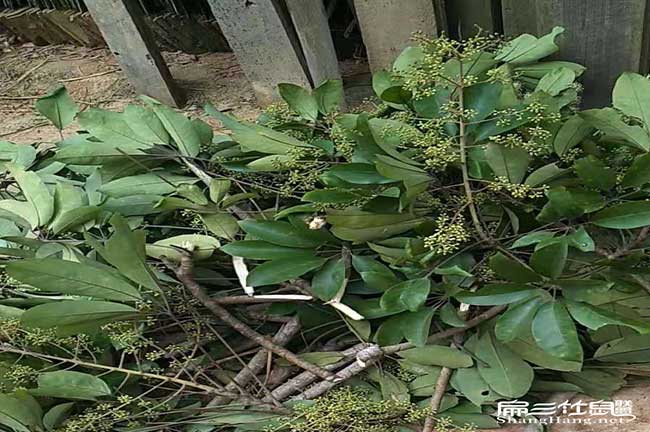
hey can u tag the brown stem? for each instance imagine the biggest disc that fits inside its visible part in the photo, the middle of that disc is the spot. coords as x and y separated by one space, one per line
624 250
257 363
436 398
184 273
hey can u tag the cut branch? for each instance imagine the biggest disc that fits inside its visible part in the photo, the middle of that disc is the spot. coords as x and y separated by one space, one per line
184 273
436 398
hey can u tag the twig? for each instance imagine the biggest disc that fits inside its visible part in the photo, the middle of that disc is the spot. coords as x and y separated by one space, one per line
436 398
26 74
95 75
366 358
624 250
270 298
184 274
257 363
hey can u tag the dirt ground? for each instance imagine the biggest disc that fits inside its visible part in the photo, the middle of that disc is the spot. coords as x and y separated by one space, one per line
94 79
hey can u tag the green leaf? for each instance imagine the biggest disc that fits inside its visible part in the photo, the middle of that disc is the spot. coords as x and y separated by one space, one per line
532 238
555 332
153 183
571 133
71 317
36 194
497 294
281 233
393 388
634 214
146 124
631 95
125 250
58 107
449 315
271 163
638 174
407 295
609 121
556 81
181 130
438 355
482 99
109 127
550 259
203 247
20 412
300 100
358 173
56 415
253 137
256 249
512 270
317 358
70 385
416 325
527 48
219 189
283 269
629 349
503 370
594 317
331 196
330 280
375 274
222 225
581 240
510 163
68 277
544 175
470 384
595 174
424 386
73 219
329 96
531 352
517 319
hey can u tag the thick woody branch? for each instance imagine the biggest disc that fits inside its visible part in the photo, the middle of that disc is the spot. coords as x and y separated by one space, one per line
184 273
436 398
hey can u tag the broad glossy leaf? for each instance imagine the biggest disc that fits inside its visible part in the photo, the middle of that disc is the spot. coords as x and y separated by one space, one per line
482 99
610 123
330 280
544 175
638 174
529 351
416 325
56 415
71 385
20 412
510 163
438 355
329 96
629 349
631 95
550 259
181 130
283 269
517 319
68 277
407 295
219 189
36 194
222 225
153 183
555 332
532 239
331 196
111 128
503 370
424 385
594 317
270 163
282 233
71 317
571 133
595 174
300 100
392 388
596 382
58 107
512 270
202 246
556 81
146 124
469 383
527 48
497 294
634 214
358 173
257 249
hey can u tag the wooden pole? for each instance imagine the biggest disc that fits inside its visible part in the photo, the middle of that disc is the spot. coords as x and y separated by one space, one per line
607 36
310 21
263 46
122 24
387 27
